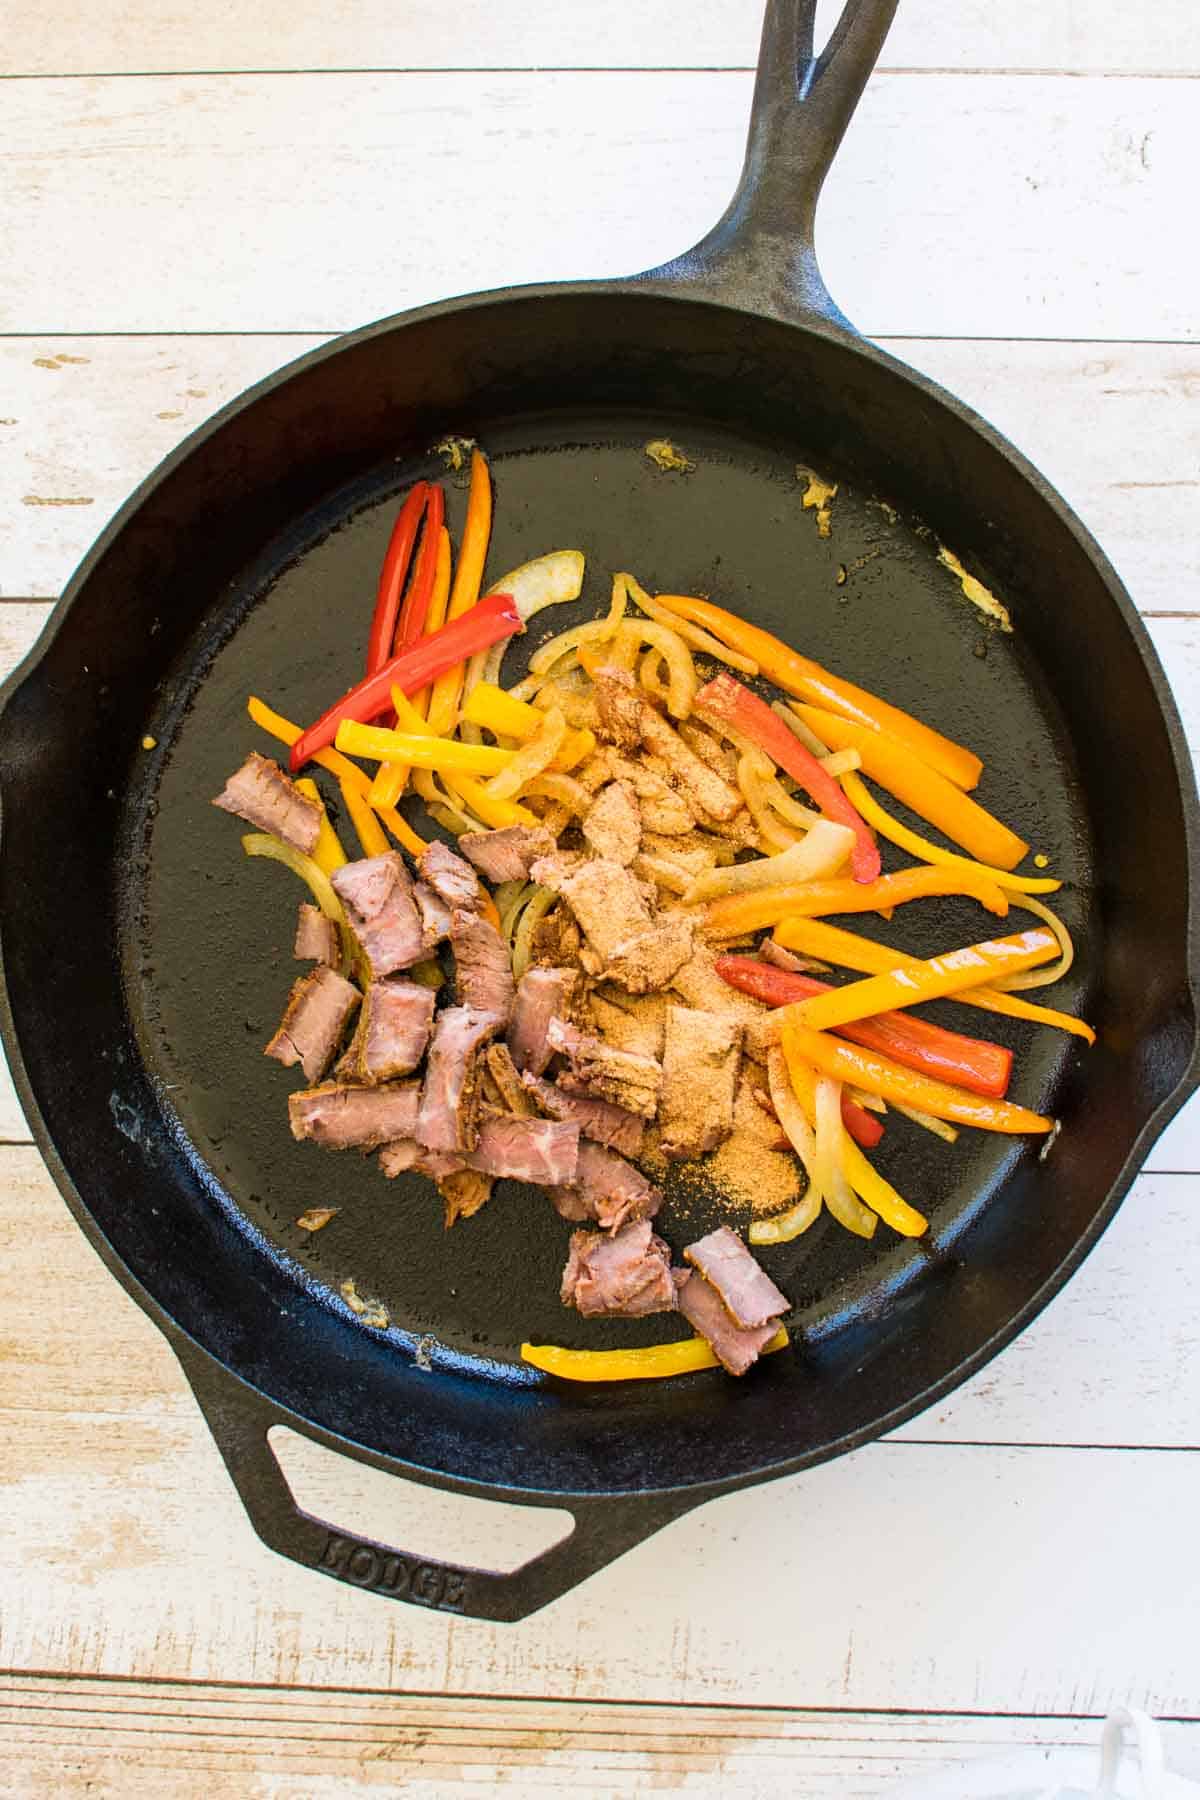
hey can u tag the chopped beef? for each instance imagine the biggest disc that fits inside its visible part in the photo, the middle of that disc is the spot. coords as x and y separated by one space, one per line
612 824
605 898
262 794
452 879
597 770
354 1118
541 994
482 972
622 1076
316 937
735 1348
747 1292
434 915
705 789
700 1071
697 982
645 962
626 1276
508 1083
313 1022
450 1097
607 1189
618 706
718 756
600 1120
378 898
664 812
506 854
393 1030
402 1154
555 941
691 855
541 1150
627 1023
464 1192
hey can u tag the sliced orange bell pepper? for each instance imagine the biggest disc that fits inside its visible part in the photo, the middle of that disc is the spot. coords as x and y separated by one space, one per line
807 680
346 771
930 979
894 766
842 1061
369 830
472 553
811 899
868 807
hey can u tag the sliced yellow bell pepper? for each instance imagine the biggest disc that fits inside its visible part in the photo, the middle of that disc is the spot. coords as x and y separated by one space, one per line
421 752
811 899
532 759
496 711
648 1364
484 804
472 553
328 854
370 832
868 808
347 772
930 979
260 843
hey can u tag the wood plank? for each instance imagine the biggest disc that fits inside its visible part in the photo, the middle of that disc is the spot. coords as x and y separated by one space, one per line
125 1551
1115 427
120 174
158 1739
484 34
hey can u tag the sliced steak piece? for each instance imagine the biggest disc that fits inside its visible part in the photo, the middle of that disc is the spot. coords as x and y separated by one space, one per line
434 915
509 1086
506 854
626 1276
541 995
747 1292
607 1189
263 795
314 1019
541 1150
452 879
450 1097
482 972
316 937
377 895
612 824
622 1076
700 1070
705 789
354 1118
556 941
393 1030
646 962
735 1347
404 1154
698 983
464 1192
664 812
599 1120
618 707
605 898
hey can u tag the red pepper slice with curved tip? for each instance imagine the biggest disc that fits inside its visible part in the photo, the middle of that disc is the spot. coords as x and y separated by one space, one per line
490 619
396 559
415 608
726 701
864 1127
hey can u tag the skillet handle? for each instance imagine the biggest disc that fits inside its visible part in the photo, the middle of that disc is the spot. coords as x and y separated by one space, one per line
240 1418
761 255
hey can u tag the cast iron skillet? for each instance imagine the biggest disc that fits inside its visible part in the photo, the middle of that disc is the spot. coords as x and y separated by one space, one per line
145 960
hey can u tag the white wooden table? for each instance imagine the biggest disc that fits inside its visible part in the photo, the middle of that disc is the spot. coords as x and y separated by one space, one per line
190 197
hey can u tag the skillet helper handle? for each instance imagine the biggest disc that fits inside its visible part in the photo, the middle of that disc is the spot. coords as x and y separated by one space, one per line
239 1419
761 254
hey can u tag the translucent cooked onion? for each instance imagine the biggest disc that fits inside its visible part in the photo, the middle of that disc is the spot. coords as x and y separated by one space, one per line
533 911
1036 978
818 855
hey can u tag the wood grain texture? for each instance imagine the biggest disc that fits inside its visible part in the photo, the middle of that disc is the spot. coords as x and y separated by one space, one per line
485 34
158 1741
960 205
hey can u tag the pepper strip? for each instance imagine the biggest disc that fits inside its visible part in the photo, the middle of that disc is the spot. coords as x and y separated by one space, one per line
811 899
651 1363
932 978
879 1075
328 853
415 609
342 767
370 832
867 1182
464 595
864 800
813 937
391 577
426 752
807 680
894 766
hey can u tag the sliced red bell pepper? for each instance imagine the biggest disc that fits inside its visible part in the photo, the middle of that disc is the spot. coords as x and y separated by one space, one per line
491 619
866 1128
396 559
727 701
968 1062
416 602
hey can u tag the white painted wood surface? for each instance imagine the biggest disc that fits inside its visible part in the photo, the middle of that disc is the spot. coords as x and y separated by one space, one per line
1021 1550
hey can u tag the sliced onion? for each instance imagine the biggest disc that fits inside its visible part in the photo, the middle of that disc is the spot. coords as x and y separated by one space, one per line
840 1197
755 768
814 858
534 910
808 738
1036 978
791 1116
552 580
939 1127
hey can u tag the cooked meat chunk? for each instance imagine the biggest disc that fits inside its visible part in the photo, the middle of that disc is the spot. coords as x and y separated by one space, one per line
354 1118
541 994
541 1150
771 952
618 707
262 794
645 962
613 825
735 1348
718 756
664 812
626 1276
605 898
691 855
747 1292
506 854
697 982
555 941
622 1076
450 1097
508 1082
314 1019
700 1071
705 789
629 1024
464 1192
434 915
402 1154
452 879
316 937
393 1030
482 972
596 1119
607 1189
378 898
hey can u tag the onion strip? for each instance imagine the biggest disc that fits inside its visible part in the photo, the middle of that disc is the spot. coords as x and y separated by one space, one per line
754 770
815 857
532 913
840 1198
1036 978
